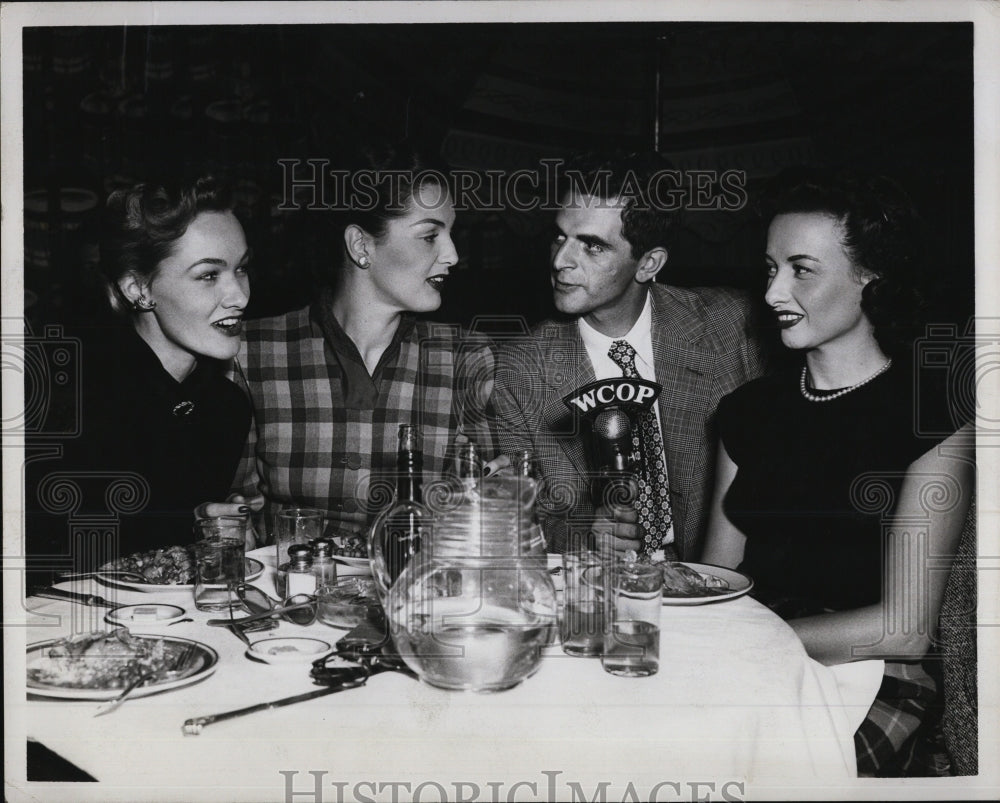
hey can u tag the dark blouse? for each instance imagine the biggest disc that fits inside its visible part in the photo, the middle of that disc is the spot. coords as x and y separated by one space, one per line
150 450
813 542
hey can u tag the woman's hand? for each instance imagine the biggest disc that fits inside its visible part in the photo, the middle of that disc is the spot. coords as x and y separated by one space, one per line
496 465
235 505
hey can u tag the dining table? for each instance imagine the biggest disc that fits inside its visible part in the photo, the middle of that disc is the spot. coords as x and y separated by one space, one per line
737 711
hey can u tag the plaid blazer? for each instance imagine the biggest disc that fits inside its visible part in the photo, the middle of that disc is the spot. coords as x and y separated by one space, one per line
702 347
306 448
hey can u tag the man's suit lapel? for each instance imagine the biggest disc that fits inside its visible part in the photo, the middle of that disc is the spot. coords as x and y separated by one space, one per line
565 367
685 371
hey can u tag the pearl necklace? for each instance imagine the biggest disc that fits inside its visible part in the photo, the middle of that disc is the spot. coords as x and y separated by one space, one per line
825 398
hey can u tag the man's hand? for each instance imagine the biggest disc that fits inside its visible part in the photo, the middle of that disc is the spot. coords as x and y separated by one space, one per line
616 529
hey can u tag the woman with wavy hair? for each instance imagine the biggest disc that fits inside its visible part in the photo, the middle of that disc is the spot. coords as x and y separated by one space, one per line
332 382
159 419
823 468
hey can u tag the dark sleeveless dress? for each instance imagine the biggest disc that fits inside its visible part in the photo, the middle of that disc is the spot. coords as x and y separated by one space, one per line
816 483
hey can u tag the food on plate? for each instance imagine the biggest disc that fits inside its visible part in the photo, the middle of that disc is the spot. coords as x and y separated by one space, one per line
352 546
683 581
101 660
171 566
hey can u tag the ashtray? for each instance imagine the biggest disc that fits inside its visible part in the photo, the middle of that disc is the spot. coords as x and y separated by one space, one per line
287 650
348 602
150 614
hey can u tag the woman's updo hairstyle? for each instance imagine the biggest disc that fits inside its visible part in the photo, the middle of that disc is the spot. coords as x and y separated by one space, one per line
383 178
882 235
142 223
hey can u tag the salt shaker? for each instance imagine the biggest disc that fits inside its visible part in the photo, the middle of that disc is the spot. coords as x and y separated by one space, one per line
324 567
296 576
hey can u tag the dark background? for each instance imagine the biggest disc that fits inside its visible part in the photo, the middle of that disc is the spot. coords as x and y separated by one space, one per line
104 107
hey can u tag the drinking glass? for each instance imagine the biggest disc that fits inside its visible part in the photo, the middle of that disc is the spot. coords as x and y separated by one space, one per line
220 561
296 525
581 627
633 596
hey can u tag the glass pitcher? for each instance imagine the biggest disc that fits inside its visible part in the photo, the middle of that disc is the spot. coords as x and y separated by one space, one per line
474 608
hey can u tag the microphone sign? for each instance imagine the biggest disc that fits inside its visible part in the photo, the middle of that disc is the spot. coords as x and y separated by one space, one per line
637 394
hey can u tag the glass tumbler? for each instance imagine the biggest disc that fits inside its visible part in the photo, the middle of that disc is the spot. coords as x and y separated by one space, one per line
296 525
633 596
581 625
220 561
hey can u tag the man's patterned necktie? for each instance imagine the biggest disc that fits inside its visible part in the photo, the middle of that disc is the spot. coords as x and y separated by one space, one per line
653 500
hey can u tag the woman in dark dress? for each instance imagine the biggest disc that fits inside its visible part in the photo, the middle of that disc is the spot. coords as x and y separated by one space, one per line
842 480
161 427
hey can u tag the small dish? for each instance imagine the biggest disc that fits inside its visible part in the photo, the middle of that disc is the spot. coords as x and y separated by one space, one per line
287 650
150 615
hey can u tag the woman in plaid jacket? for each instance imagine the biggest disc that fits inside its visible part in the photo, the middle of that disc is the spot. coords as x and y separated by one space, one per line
331 383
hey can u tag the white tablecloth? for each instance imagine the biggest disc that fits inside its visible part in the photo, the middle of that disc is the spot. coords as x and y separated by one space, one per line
736 701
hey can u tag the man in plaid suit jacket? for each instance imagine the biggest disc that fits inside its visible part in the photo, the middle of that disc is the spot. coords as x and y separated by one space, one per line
698 343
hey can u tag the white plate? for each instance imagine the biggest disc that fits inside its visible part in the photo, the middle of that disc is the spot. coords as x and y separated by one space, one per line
288 650
359 562
739 584
154 614
254 570
203 664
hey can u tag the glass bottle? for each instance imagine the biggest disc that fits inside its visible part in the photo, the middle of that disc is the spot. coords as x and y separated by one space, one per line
529 486
527 466
396 535
296 576
324 567
469 467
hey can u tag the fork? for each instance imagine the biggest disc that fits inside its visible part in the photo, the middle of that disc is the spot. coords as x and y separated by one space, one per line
112 705
116 574
177 666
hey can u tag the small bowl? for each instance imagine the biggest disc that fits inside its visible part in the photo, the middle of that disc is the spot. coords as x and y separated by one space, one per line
348 603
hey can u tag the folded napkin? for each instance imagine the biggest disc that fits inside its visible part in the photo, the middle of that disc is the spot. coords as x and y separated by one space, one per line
858 683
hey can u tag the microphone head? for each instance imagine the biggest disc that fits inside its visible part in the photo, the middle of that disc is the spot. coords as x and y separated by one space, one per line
612 424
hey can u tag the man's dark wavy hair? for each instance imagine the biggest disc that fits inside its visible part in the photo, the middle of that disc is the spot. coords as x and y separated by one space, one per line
882 235
142 223
628 176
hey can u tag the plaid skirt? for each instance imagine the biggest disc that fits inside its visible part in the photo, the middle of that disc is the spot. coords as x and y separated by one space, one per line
891 742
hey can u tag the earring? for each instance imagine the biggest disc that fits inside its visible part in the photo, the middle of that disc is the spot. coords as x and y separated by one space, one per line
142 304
363 262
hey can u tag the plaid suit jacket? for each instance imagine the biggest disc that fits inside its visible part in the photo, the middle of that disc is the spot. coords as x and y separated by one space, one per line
306 448
702 348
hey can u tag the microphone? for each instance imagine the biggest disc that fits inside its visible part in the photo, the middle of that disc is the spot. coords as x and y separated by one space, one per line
613 429
615 481
612 406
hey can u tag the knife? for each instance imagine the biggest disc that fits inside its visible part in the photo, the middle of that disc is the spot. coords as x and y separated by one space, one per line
192 727
72 596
